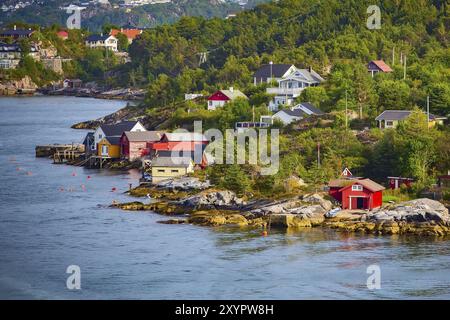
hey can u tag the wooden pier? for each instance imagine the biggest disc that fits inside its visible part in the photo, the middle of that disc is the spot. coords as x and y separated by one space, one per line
66 156
50 149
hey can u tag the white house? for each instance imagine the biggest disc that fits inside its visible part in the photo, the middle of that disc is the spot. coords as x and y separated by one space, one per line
288 116
102 41
116 130
272 72
290 85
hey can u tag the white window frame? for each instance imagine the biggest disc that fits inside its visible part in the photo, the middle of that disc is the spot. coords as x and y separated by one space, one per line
357 187
105 150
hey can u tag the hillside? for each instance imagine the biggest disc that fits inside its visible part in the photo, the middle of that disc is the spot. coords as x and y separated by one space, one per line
46 13
332 38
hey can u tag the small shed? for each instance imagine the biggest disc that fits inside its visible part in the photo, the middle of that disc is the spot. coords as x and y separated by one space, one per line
397 182
356 194
164 168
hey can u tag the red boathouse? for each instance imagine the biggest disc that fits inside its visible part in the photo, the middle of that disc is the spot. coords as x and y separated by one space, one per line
357 193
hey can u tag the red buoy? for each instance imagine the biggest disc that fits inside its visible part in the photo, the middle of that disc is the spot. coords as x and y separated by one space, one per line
113 189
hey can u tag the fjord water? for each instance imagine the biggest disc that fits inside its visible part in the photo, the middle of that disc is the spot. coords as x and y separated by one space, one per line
53 216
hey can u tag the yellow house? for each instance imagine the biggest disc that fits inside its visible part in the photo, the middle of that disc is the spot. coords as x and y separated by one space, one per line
170 167
109 147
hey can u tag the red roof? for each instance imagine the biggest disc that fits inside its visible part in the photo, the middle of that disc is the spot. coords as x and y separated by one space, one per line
382 65
63 34
130 33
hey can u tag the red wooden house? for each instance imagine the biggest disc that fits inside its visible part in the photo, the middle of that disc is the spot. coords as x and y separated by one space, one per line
133 144
357 193
221 97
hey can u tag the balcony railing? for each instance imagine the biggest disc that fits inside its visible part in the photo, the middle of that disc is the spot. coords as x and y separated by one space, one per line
285 91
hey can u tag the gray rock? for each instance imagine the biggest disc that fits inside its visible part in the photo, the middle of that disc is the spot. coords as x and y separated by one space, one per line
183 183
213 199
419 210
316 198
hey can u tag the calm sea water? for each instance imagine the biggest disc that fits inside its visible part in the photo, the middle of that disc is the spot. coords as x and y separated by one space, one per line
53 216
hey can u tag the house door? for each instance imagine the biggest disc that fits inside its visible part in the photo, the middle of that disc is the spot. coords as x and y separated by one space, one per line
105 151
360 203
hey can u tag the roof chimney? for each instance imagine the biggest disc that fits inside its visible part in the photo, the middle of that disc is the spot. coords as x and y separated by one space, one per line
310 69
231 89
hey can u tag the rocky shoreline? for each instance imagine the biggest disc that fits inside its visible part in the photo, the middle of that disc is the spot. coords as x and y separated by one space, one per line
191 201
116 94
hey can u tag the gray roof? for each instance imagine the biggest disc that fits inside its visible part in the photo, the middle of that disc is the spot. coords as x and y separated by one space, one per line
98 37
113 140
308 108
14 47
309 74
172 162
278 70
294 113
89 137
117 129
17 32
143 135
393 115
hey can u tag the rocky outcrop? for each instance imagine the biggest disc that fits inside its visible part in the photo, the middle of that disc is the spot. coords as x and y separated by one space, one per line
213 199
313 204
420 216
419 210
22 86
289 220
130 112
184 184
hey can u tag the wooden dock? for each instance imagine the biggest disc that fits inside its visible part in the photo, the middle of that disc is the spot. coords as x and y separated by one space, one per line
50 149
67 156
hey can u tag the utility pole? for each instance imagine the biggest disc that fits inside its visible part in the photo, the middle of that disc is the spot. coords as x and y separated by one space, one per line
404 70
318 155
393 55
346 110
253 114
271 70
